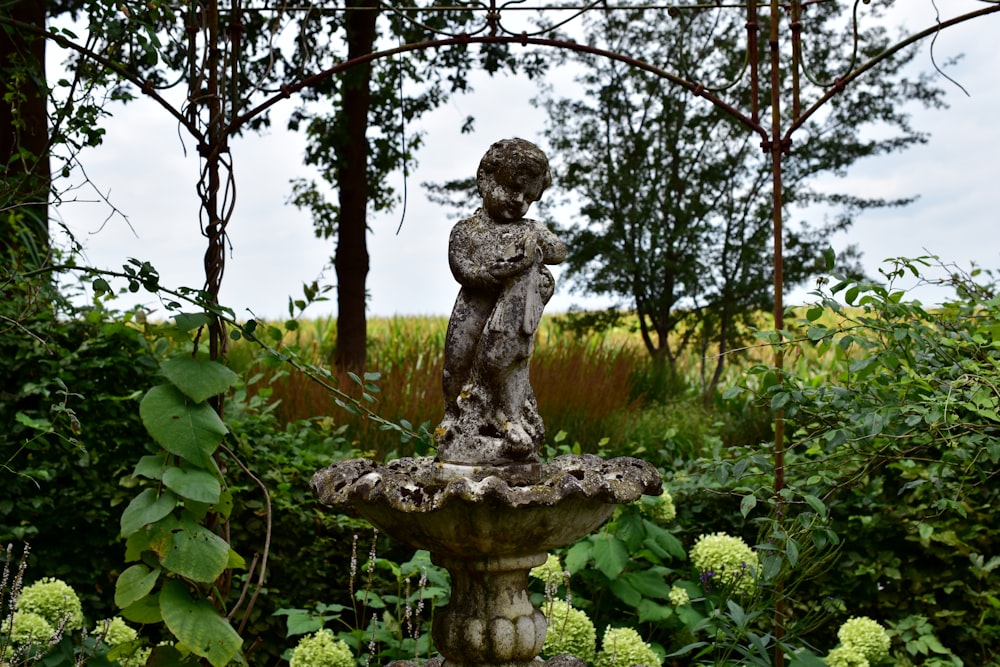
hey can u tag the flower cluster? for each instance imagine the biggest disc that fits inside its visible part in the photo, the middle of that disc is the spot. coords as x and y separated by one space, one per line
846 656
27 627
550 572
727 559
321 649
55 601
678 596
623 647
658 509
570 631
116 633
866 637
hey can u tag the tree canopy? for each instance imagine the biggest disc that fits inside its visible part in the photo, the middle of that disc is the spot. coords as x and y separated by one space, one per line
675 193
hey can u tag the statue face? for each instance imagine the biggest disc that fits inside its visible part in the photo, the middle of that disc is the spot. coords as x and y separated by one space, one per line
509 196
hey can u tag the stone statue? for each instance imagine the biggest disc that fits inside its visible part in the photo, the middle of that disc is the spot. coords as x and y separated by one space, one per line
498 257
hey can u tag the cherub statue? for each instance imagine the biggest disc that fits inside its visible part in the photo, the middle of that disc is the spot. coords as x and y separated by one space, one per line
499 258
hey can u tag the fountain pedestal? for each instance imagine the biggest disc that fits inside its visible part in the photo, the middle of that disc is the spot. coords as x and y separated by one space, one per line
490 619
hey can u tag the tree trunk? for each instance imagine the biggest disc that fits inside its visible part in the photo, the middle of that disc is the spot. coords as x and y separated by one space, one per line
24 138
351 257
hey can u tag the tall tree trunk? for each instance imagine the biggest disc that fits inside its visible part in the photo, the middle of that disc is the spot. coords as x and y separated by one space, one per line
351 257
24 138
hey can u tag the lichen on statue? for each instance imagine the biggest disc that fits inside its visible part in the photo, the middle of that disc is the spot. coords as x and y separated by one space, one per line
499 258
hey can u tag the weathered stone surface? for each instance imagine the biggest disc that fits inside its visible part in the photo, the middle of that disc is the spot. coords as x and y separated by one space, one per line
499 258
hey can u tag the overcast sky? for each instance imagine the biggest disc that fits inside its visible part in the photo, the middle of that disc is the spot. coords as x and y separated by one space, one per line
143 170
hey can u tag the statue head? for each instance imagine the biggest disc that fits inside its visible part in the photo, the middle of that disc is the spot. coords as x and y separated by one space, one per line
516 165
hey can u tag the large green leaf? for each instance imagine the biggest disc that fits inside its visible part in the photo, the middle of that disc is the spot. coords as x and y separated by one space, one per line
198 625
194 484
198 379
610 555
146 508
151 466
650 611
651 583
145 610
192 431
135 583
195 553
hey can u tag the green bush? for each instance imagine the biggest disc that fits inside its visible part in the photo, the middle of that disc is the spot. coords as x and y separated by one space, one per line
69 434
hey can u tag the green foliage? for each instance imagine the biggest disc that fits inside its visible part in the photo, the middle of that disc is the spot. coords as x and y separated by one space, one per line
71 431
43 623
386 619
675 219
177 558
896 436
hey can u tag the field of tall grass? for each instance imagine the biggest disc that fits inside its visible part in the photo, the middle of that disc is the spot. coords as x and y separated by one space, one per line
597 392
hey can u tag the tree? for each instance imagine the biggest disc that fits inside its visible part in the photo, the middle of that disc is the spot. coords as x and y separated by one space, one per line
367 134
24 137
676 206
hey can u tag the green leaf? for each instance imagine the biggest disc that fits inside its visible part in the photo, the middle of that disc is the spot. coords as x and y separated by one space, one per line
665 540
815 503
780 400
625 592
792 552
300 621
804 658
135 583
144 611
651 583
610 556
37 424
151 466
650 611
194 484
815 333
192 432
146 508
198 625
747 504
198 379
579 555
189 321
196 553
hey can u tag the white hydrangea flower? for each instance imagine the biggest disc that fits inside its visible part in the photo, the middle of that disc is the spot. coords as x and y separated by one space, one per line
570 631
55 601
678 596
321 649
866 636
623 647
728 559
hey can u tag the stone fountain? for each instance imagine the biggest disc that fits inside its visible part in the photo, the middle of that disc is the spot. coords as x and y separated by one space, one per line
487 508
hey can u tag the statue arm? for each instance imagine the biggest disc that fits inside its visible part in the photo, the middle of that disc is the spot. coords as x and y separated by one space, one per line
553 249
470 264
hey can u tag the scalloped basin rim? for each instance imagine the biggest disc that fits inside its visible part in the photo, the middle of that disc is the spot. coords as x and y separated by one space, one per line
430 506
425 485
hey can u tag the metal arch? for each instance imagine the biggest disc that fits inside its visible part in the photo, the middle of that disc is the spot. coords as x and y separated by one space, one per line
524 40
